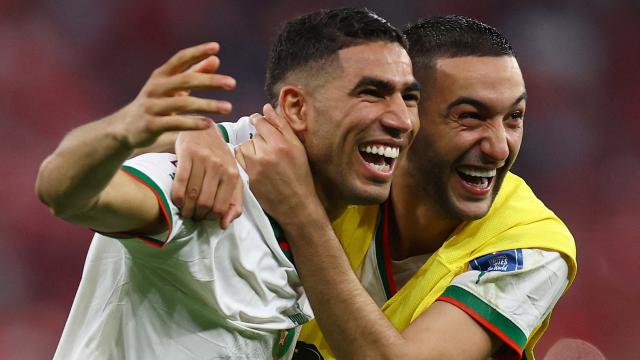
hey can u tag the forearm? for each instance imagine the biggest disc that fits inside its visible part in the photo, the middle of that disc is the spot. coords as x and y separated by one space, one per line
326 274
166 143
70 179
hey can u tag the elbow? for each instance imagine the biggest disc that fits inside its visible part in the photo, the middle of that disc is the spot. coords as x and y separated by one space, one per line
43 191
48 194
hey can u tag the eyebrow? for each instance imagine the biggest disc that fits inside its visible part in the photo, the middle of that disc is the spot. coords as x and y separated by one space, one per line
479 104
384 86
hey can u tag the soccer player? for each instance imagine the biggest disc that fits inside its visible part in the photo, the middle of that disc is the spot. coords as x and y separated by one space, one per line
210 292
463 261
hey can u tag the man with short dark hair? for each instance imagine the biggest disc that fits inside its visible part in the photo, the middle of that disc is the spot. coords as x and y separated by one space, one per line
463 261
213 292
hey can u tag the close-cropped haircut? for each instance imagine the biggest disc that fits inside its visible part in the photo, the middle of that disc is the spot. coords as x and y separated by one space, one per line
450 37
316 37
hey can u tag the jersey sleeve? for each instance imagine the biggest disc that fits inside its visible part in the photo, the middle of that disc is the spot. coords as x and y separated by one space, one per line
156 172
510 293
237 132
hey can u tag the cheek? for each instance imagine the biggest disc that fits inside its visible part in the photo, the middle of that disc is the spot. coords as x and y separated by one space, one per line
514 141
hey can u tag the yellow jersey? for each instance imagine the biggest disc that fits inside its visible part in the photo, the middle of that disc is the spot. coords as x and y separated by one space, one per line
517 220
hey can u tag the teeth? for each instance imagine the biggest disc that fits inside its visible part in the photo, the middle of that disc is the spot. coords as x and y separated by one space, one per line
384 167
483 173
386 151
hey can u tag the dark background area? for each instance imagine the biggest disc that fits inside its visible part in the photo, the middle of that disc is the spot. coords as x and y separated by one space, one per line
64 63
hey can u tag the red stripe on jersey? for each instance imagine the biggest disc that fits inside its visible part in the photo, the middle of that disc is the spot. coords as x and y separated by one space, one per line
489 326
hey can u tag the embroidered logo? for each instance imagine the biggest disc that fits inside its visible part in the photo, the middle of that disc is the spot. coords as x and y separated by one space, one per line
507 260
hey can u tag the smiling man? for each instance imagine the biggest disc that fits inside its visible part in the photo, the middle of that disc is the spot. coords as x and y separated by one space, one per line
213 292
463 261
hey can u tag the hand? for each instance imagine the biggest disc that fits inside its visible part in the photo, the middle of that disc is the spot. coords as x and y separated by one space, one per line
277 165
164 102
207 184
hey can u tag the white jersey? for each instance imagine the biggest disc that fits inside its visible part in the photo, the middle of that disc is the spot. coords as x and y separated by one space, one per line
522 285
205 293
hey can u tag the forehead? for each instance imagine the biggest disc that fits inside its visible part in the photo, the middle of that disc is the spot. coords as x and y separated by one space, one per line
489 79
381 60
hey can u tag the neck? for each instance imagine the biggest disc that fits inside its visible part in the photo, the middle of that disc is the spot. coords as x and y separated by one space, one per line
333 205
420 227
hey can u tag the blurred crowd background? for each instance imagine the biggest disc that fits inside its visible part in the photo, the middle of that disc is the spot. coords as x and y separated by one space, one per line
67 62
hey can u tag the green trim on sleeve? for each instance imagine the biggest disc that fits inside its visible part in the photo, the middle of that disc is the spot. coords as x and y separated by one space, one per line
489 317
224 132
160 195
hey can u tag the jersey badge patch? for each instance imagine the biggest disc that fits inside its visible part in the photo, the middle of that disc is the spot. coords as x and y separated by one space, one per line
506 260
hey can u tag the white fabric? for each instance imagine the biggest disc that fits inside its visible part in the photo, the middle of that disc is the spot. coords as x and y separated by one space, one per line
207 294
403 270
524 296
239 131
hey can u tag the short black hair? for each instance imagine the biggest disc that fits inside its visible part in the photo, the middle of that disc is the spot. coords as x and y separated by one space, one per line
318 36
452 36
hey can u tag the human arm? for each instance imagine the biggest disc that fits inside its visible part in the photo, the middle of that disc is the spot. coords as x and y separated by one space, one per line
351 322
207 184
80 181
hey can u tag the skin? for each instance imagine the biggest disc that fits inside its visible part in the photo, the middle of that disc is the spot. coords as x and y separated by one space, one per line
370 98
80 181
484 133
471 114
373 101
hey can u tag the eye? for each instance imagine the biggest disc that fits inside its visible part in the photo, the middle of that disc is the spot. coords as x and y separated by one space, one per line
517 115
370 92
411 98
470 115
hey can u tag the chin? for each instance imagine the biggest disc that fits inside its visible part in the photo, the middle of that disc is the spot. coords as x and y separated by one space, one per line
370 196
471 210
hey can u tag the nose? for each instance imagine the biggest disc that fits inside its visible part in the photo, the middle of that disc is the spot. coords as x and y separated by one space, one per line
494 144
398 119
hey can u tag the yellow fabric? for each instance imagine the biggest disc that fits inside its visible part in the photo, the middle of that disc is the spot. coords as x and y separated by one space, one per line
517 219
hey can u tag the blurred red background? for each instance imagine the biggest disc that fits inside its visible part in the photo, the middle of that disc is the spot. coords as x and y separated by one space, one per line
67 62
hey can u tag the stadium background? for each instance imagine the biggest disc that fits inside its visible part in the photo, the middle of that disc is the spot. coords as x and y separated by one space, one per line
65 62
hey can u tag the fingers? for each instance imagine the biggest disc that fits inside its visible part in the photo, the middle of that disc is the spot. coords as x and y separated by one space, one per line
186 104
209 194
224 196
274 119
163 124
192 190
235 207
208 65
187 57
266 133
245 149
179 186
190 80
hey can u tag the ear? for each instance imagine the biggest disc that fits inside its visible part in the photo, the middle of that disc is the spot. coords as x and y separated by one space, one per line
294 108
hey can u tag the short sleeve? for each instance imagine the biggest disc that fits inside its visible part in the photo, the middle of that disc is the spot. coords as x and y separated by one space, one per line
156 172
510 293
237 132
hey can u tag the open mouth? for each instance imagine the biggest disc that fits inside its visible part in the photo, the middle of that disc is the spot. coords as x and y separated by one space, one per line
379 157
480 179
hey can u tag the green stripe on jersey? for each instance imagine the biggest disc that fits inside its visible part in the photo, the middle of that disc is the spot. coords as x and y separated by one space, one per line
491 315
382 265
147 180
223 131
